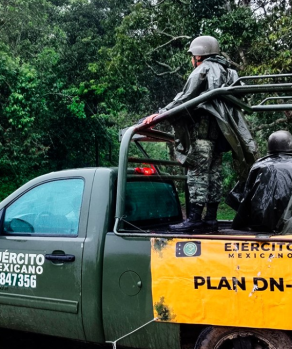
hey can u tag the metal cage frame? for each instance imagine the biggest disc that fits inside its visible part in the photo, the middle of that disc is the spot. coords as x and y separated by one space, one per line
141 132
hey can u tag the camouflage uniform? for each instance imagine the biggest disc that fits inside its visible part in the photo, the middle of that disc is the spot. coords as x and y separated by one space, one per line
204 176
203 161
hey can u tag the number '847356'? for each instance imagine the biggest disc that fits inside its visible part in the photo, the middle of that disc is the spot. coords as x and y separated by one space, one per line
18 280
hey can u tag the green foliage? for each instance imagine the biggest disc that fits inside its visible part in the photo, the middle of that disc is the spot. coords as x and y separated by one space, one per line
72 73
21 147
225 212
7 187
228 174
235 30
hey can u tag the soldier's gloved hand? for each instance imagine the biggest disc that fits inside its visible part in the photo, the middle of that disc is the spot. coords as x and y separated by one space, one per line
149 118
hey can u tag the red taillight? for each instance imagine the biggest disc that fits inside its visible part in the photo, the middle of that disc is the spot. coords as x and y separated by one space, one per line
148 171
145 170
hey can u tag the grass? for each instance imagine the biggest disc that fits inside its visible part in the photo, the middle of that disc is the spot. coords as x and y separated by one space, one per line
224 211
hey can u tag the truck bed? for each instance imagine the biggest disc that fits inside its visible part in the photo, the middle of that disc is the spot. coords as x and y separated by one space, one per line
224 229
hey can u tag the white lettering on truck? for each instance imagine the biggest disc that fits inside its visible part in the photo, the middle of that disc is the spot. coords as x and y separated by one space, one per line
20 269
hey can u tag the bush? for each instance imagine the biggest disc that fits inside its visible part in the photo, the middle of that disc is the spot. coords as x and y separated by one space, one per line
7 186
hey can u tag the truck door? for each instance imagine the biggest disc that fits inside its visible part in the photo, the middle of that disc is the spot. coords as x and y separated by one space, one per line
41 244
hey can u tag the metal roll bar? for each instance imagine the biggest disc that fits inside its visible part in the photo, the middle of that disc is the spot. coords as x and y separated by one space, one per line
145 132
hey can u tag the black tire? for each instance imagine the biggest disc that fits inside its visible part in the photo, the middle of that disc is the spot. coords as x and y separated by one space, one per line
214 337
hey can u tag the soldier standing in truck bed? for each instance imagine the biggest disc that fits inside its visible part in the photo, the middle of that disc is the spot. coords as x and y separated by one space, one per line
203 134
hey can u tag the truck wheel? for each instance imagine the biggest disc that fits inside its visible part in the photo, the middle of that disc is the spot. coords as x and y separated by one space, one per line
242 338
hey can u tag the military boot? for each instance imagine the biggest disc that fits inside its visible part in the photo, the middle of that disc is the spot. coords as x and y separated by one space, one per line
194 221
210 220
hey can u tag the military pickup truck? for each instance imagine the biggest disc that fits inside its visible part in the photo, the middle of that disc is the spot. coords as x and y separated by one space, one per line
85 254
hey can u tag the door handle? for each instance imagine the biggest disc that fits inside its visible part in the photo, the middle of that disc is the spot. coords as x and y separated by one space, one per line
60 257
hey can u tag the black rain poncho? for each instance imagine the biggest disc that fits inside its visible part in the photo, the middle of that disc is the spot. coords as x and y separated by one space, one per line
266 194
214 72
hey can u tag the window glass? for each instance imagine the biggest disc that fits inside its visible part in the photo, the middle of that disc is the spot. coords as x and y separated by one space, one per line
150 202
52 208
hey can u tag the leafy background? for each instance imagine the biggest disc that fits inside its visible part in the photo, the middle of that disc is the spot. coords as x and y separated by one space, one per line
74 72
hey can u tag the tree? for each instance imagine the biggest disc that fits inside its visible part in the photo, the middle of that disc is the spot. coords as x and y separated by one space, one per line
75 71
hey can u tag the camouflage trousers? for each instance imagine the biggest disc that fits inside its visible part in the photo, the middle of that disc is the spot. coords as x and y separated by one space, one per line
204 176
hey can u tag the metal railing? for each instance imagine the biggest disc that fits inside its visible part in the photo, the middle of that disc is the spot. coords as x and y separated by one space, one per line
145 132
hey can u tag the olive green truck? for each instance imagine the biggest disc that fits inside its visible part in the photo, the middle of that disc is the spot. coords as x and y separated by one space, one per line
79 250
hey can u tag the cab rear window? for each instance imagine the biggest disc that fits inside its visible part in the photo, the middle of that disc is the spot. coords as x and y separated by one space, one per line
151 203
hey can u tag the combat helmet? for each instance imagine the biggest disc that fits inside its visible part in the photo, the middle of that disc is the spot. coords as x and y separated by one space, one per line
280 141
204 46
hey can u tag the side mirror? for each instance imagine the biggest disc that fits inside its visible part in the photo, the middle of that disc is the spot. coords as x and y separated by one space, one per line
18 225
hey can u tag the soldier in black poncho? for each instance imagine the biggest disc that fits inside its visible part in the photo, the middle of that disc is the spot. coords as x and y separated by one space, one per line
268 188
